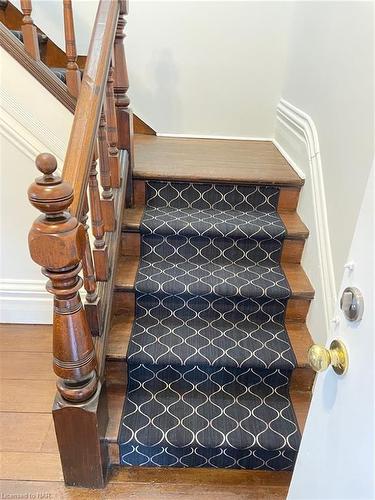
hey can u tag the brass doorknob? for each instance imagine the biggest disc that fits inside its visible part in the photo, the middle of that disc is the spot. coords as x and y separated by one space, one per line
321 358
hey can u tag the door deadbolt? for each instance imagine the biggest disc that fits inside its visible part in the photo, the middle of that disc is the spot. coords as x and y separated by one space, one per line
352 304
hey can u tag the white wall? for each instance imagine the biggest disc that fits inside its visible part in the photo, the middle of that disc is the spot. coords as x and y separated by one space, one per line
196 67
330 76
207 68
31 121
48 16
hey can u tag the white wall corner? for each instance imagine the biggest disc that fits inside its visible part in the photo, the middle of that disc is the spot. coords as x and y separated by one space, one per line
296 138
27 301
26 131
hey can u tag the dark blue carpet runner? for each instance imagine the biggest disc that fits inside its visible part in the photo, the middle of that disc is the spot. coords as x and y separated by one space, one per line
209 358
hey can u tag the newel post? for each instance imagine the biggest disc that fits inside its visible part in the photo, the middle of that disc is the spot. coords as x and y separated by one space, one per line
121 85
57 242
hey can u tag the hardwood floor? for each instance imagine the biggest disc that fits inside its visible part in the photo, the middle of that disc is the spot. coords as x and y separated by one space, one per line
29 460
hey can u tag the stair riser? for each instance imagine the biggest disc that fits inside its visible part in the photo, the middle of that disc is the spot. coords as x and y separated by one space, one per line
124 300
288 199
292 248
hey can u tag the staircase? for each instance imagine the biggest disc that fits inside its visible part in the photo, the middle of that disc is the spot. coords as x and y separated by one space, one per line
210 303
189 349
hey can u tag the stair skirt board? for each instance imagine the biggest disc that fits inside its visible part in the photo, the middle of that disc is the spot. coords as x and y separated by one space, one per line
209 359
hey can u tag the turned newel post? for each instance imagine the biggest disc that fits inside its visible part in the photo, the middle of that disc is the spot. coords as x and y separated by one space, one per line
57 242
73 75
121 85
29 33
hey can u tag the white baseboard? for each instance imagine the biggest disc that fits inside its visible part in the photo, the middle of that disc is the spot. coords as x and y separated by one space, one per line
296 137
220 137
25 301
289 159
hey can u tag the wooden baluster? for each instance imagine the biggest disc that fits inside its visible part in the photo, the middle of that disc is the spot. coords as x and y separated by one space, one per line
29 32
123 112
100 251
57 242
73 75
3 6
114 162
92 305
108 207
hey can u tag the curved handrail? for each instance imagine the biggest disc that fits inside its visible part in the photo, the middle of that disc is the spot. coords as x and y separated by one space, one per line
86 118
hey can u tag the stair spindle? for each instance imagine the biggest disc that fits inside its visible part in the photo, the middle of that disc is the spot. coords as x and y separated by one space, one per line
100 251
107 202
92 305
121 85
3 6
73 75
57 242
29 32
114 162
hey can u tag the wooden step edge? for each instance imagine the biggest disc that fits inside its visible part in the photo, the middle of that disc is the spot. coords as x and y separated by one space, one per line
298 281
122 324
195 477
295 228
152 175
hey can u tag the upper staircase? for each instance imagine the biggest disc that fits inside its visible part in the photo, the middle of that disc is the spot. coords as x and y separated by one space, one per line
189 346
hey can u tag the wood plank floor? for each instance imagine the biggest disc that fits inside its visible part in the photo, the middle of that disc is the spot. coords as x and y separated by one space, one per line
29 460
203 160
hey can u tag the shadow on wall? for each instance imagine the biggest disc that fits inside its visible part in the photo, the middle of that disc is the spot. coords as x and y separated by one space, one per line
167 80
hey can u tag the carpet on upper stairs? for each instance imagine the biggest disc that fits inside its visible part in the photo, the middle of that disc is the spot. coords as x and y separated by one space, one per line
209 359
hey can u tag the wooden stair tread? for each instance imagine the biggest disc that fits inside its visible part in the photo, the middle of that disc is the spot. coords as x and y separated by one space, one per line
122 326
211 160
131 218
296 229
299 283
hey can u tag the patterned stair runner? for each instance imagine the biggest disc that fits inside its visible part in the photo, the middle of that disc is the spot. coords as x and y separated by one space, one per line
209 360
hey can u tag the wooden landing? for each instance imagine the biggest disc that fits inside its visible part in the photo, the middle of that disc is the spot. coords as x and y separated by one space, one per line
208 160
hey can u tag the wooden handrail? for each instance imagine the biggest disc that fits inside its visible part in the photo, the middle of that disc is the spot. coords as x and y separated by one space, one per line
89 105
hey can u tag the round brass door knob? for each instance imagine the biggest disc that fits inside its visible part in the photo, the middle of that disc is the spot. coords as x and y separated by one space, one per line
321 358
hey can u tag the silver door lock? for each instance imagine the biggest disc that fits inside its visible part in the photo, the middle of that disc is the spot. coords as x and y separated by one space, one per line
352 304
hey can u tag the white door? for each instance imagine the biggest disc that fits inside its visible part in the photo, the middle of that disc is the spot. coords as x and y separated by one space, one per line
336 457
